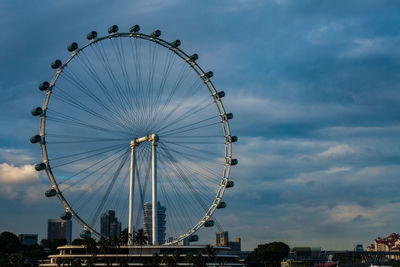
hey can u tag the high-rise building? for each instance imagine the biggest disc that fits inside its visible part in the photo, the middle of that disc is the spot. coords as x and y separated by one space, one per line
161 221
109 225
28 239
58 228
221 239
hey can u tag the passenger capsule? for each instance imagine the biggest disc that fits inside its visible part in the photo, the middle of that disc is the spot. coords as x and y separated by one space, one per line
194 57
40 166
209 74
36 139
56 64
156 33
221 205
209 223
231 139
113 29
37 111
232 162
51 192
72 47
221 94
228 116
66 216
193 238
44 86
91 35
134 29
85 234
176 43
230 184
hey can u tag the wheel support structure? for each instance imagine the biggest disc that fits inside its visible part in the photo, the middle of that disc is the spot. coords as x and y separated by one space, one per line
153 139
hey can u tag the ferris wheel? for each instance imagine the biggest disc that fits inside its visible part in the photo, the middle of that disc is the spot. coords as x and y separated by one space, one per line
130 119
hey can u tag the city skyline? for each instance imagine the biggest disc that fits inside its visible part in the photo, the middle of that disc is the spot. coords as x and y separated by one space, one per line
313 87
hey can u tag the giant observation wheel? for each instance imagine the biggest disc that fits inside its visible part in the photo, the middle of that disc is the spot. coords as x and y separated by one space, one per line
130 121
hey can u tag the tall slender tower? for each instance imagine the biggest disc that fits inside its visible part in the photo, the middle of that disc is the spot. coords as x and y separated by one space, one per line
161 221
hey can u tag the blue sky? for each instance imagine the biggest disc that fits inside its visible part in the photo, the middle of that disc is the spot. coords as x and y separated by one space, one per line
313 85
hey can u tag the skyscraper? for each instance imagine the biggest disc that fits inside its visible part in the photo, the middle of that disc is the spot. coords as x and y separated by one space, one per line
58 228
161 221
109 225
221 239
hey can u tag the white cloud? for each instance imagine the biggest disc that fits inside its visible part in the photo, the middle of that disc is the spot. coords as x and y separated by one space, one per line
339 150
10 174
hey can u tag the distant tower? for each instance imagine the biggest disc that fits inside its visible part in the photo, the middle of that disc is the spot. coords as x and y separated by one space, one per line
57 229
109 225
222 239
161 221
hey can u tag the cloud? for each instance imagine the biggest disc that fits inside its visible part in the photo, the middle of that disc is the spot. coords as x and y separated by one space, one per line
10 174
338 150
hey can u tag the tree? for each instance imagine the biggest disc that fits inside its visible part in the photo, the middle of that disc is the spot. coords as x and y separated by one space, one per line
9 243
16 259
124 237
269 253
90 244
141 237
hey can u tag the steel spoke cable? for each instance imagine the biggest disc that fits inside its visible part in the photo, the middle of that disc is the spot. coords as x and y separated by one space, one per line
182 199
85 152
191 157
195 128
89 156
186 181
109 164
188 125
87 168
89 111
201 106
109 188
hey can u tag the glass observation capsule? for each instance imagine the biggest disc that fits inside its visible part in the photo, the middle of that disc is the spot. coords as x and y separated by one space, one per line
56 64
35 139
230 184
91 35
228 116
40 166
72 47
44 86
193 238
209 223
232 162
85 234
221 94
113 29
66 216
176 43
221 205
50 193
37 111
135 28
232 139
194 57
156 33
209 74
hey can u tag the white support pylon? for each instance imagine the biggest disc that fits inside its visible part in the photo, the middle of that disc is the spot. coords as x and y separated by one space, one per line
154 191
131 191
